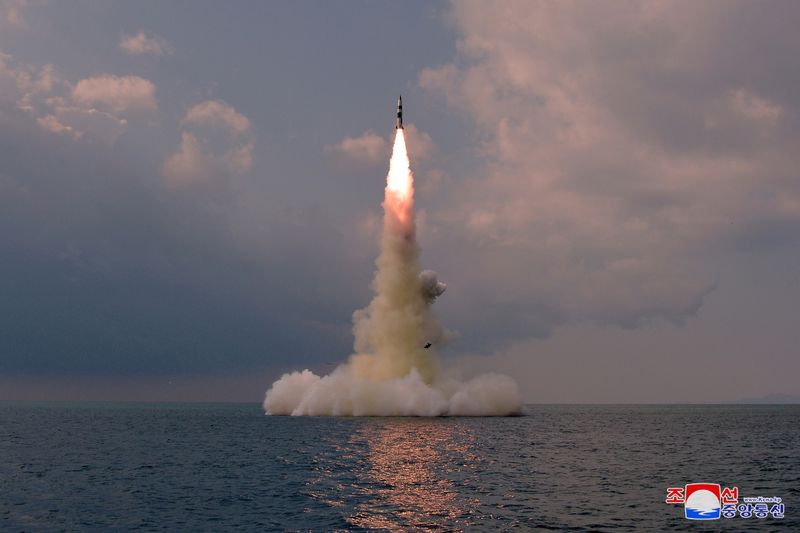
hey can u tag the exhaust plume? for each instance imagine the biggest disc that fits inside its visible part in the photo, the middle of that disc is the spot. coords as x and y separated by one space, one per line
394 370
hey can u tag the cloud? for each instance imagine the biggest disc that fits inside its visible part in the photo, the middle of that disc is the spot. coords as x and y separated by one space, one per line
755 107
420 144
216 113
117 93
22 83
49 98
51 123
203 158
618 146
371 149
195 162
191 162
100 124
11 14
142 44
104 274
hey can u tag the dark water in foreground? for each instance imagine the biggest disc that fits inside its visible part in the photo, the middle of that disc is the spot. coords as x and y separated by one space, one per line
98 467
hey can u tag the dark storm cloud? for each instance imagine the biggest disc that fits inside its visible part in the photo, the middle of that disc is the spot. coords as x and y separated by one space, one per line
102 271
172 212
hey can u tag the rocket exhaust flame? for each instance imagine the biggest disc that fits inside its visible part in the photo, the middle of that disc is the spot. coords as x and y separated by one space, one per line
400 181
394 370
399 197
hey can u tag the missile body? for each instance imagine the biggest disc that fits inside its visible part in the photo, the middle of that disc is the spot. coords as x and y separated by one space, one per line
399 124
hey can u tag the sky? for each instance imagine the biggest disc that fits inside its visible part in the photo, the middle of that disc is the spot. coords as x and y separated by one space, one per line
190 192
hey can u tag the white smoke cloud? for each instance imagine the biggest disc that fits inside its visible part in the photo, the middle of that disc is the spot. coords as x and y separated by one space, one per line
432 288
394 370
342 393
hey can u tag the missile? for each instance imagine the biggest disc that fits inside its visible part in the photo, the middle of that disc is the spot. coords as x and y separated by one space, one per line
399 124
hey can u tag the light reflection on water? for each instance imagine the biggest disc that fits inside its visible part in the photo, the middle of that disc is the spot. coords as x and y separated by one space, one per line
403 474
409 465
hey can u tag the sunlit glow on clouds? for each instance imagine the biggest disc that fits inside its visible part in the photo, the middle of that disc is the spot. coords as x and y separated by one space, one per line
217 113
95 105
11 14
143 44
196 161
117 93
604 164
372 149
613 163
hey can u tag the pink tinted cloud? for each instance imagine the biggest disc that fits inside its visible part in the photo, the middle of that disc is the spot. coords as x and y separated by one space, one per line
144 44
199 160
218 114
371 148
116 93
617 146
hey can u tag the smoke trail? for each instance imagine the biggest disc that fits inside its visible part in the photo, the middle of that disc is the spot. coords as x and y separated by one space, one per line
390 332
392 372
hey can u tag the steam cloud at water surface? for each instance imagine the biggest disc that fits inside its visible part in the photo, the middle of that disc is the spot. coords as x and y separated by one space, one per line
391 372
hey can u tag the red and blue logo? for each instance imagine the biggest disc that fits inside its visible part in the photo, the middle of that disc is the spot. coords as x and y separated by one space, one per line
702 501
710 501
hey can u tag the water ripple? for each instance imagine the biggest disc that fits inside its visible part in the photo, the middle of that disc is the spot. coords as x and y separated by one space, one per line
89 467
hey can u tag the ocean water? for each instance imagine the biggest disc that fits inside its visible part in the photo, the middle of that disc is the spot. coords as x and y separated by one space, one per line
222 467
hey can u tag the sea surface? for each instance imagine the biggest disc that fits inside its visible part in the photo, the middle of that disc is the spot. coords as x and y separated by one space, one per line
227 467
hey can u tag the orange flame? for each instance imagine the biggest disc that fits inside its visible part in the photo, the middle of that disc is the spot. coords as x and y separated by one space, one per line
399 197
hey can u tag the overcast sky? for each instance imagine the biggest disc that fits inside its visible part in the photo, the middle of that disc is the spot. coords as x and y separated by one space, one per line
190 192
